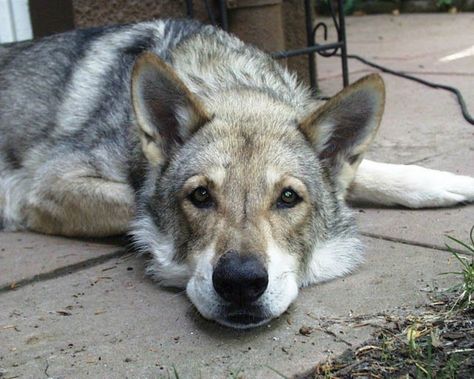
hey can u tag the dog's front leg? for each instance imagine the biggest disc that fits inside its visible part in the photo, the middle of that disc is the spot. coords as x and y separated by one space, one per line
409 185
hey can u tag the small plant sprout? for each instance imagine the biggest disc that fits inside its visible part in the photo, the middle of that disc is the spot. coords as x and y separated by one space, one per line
465 289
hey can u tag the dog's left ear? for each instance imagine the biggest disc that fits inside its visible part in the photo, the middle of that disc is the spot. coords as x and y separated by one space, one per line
343 128
167 112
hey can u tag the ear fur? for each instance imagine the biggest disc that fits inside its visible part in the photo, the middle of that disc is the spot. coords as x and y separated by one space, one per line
166 111
343 128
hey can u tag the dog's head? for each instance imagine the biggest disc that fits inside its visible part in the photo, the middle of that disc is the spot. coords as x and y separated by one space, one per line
245 205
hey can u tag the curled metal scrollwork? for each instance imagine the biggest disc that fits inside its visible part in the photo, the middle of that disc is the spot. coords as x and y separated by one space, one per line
323 25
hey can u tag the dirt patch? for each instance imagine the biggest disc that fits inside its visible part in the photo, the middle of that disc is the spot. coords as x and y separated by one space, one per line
436 343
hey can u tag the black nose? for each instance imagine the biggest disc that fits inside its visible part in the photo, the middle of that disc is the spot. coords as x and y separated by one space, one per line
239 279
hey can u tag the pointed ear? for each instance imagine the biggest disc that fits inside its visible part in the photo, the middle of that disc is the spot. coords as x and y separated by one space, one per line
166 111
343 128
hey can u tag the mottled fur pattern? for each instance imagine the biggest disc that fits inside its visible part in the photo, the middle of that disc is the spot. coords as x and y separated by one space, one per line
110 130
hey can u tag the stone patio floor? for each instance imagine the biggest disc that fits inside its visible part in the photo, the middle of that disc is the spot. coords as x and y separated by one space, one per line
84 309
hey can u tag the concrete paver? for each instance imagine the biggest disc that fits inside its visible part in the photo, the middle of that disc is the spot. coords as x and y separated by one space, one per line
26 256
109 320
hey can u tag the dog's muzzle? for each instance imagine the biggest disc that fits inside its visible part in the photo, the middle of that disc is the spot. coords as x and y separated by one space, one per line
240 280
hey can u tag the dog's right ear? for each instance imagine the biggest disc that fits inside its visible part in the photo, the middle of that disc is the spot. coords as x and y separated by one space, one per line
166 111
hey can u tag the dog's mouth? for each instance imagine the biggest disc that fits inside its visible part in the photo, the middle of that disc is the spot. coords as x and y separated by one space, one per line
243 318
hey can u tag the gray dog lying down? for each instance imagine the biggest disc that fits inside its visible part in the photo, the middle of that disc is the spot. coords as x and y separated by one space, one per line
208 152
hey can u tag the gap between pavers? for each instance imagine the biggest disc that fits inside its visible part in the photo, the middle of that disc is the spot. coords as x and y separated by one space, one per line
109 320
25 257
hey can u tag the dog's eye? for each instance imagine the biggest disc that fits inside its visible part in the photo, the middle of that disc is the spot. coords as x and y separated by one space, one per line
201 197
288 199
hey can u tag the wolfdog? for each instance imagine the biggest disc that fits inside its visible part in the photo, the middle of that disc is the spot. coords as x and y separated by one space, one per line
206 151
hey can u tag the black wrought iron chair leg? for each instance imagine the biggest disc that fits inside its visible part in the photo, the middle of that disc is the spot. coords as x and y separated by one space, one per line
313 75
342 38
189 8
224 17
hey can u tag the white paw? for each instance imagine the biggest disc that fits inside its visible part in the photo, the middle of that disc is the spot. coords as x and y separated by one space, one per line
432 188
410 186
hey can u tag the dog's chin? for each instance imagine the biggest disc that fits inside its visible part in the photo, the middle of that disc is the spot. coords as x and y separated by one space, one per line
211 307
245 318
